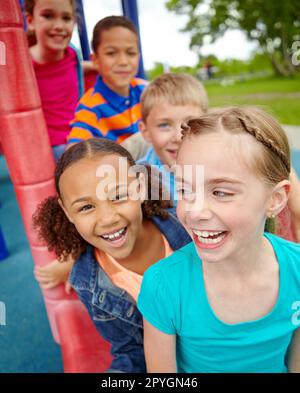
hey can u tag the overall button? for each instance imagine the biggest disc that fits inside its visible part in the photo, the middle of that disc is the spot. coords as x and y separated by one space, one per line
130 311
102 297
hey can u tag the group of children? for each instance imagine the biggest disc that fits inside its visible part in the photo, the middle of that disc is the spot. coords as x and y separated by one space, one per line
203 288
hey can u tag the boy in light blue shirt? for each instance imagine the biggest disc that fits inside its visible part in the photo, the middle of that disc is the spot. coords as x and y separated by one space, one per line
170 100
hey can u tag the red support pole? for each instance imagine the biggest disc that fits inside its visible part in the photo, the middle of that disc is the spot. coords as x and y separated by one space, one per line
26 146
24 135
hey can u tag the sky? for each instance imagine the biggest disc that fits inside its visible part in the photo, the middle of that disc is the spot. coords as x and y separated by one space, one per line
161 39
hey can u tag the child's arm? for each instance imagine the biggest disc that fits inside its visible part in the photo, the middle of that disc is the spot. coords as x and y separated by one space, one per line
294 354
54 273
160 350
136 145
88 66
85 124
294 203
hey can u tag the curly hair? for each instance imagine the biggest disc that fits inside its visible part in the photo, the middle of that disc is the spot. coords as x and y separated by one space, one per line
50 221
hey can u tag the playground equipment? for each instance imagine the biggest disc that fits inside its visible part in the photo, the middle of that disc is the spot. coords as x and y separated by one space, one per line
25 144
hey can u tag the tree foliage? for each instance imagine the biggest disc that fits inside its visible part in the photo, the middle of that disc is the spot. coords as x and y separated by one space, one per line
274 24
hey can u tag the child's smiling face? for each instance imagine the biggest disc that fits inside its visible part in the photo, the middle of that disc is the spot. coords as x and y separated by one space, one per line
226 215
108 219
117 58
53 22
162 128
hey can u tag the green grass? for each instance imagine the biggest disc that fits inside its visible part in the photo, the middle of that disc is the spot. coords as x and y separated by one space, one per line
278 96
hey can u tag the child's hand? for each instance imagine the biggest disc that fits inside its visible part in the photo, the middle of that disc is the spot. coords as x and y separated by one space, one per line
53 274
88 66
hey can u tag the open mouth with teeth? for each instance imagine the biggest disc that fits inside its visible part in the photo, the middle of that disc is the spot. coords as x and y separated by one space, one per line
57 38
117 238
209 239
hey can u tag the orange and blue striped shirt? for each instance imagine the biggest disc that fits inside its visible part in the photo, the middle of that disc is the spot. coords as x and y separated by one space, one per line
102 113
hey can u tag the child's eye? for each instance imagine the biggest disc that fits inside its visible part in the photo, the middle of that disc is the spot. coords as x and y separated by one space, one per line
110 53
67 18
132 53
222 194
164 126
47 16
85 208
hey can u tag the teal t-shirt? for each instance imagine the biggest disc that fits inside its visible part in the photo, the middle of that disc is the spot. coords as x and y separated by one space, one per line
173 299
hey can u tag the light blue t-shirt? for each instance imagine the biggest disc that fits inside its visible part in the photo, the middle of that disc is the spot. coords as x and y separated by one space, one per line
173 299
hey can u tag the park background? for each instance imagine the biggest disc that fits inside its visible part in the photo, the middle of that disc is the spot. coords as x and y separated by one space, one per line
251 45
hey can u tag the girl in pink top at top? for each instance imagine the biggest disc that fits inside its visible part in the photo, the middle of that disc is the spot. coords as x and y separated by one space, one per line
57 65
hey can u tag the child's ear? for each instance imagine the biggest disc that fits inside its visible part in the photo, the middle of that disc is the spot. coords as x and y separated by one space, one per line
144 131
279 198
94 60
60 202
93 57
29 21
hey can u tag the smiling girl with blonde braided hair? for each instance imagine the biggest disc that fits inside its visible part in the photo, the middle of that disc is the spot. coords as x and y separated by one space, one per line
230 300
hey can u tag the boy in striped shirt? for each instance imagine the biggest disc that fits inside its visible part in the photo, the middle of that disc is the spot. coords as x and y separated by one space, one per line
111 108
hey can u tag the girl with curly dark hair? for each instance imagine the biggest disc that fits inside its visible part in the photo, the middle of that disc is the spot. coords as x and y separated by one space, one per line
104 218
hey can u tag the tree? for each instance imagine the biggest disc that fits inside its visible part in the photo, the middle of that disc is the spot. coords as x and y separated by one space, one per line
275 25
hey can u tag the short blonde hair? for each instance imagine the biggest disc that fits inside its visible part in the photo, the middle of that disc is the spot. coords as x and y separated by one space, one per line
274 164
176 89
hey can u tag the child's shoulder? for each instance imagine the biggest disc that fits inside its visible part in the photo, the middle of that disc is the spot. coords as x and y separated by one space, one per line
138 82
92 98
150 158
285 250
74 50
175 264
281 243
170 275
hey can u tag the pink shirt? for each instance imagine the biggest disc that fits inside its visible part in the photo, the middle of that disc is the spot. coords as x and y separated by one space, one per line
59 87
122 277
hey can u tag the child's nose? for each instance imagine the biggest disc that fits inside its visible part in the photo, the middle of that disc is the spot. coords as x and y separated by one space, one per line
198 210
122 58
107 214
58 24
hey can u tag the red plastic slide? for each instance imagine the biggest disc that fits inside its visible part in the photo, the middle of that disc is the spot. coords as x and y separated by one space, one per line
26 146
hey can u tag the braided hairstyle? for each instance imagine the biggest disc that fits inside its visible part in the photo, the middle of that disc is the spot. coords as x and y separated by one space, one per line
50 221
273 165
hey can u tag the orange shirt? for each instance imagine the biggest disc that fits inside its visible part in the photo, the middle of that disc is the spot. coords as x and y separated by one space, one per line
122 277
